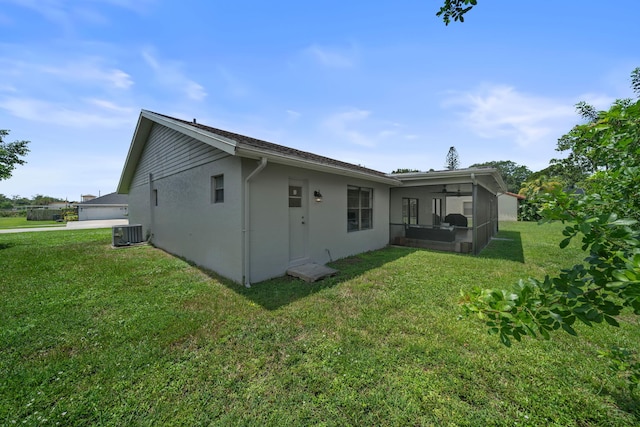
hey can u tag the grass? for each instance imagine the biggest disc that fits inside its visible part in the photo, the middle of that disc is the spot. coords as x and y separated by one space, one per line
21 222
98 336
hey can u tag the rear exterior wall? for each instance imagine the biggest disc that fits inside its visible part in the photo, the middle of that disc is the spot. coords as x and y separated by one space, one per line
325 231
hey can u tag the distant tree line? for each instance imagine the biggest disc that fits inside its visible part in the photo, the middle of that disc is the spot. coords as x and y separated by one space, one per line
7 203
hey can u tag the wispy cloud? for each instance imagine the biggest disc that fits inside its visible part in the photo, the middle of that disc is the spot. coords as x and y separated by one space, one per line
358 127
171 76
67 13
500 111
232 84
110 106
91 113
90 69
293 115
78 92
345 125
333 57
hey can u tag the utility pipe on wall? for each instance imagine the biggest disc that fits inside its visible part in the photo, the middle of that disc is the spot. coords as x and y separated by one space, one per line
246 235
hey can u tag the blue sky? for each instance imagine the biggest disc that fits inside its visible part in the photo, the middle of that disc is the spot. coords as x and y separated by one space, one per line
384 84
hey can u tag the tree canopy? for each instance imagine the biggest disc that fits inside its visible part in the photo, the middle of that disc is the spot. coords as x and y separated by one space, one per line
11 154
405 170
513 174
605 217
452 161
455 10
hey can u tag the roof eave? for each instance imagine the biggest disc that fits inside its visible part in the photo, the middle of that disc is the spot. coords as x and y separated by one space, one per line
141 134
283 159
225 144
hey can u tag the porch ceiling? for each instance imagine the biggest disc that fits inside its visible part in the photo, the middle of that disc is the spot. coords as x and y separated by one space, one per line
488 178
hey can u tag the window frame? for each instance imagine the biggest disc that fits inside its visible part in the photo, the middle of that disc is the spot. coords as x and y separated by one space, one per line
406 208
217 189
359 217
467 209
295 196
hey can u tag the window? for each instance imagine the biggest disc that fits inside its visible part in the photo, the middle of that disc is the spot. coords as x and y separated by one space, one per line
359 208
217 189
467 208
155 197
409 211
295 196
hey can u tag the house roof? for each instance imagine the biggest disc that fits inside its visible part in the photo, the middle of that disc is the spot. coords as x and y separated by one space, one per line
488 178
248 147
239 145
108 199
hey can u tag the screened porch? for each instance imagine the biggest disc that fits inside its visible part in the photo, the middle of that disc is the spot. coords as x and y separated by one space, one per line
454 211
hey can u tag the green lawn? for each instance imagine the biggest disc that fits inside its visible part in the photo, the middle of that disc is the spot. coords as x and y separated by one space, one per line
92 335
21 222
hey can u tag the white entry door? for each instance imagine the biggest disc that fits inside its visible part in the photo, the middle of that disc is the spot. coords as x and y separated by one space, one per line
298 213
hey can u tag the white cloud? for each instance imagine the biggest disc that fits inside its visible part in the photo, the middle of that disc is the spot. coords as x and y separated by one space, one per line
195 91
90 69
333 57
7 88
110 106
358 127
139 6
344 126
233 85
106 114
600 102
293 115
171 76
500 111
66 13
55 11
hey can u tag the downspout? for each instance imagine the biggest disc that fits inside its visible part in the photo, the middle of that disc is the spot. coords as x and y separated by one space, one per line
246 235
474 213
152 216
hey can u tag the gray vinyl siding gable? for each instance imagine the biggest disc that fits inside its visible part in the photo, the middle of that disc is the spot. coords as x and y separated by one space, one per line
168 152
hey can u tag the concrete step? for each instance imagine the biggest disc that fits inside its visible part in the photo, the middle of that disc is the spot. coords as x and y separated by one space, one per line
311 272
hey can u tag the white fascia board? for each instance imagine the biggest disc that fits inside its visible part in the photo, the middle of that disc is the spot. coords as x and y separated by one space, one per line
283 159
217 141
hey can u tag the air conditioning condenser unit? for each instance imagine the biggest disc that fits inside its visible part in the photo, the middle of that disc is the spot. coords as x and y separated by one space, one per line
126 235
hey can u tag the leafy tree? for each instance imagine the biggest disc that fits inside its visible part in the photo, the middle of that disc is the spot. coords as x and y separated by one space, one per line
41 200
5 202
20 201
532 190
11 154
455 9
513 174
606 220
452 159
570 175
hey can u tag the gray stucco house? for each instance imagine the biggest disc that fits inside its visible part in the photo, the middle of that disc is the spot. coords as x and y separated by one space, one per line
250 209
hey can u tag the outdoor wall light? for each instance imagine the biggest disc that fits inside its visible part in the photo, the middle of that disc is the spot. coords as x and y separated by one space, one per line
318 196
